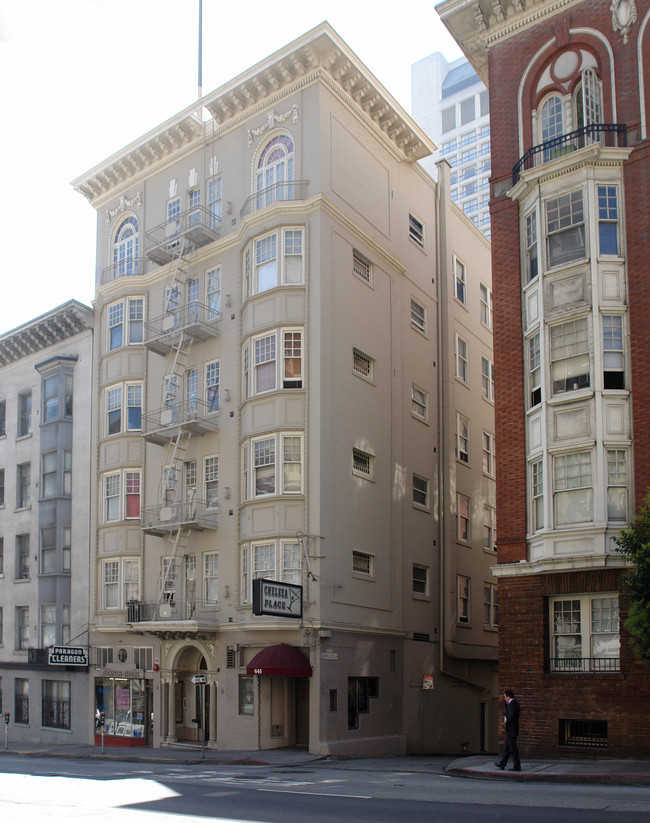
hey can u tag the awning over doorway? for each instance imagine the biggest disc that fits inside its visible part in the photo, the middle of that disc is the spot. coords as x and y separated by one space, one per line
280 661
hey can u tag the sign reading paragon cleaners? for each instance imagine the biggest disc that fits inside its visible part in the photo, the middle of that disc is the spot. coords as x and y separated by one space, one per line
67 656
273 597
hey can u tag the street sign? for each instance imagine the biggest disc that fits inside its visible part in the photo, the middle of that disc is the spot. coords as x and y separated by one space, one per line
200 679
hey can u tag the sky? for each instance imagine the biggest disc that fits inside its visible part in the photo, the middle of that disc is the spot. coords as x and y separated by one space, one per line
80 79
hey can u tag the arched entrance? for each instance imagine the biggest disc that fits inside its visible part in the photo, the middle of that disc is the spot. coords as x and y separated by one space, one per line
190 707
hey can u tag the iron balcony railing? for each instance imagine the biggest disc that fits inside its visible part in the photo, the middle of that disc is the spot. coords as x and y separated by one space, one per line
129 267
607 134
198 225
162 425
571 665
172 610
193 319
167 517
278 193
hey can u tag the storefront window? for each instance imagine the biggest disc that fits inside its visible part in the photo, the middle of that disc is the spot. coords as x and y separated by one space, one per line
246 691
122 701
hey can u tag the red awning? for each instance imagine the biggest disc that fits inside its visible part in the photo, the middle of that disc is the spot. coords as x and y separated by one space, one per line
280 661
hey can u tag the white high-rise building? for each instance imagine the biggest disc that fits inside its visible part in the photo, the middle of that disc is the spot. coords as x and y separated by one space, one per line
450 103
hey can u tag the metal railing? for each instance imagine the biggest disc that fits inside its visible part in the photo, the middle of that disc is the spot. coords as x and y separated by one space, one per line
191 415
130 267
572 665
607 134
198 225
195 514
194 319
172 610
278 193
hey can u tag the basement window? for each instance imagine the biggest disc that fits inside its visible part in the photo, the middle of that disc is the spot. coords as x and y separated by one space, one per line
583 734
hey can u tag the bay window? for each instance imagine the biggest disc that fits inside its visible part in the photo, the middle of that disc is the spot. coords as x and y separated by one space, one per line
275 360
570 359
273 465
278 260
572 488
279 560
565 226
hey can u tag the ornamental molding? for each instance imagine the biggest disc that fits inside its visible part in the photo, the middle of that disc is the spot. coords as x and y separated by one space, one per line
271 120
623 17
124 204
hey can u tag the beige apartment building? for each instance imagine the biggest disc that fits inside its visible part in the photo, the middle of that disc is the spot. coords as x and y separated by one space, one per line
294 384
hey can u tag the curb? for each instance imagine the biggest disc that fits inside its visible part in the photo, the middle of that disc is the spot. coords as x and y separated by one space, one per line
553 777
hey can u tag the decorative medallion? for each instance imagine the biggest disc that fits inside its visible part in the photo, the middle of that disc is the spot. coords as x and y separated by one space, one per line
623 16
271 119
123 205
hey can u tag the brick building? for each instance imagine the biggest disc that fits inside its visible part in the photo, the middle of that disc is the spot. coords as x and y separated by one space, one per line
569 88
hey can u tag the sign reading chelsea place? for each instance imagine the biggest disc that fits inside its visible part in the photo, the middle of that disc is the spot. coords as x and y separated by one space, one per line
279 599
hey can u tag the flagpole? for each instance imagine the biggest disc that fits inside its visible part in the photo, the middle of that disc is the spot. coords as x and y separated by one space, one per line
200 49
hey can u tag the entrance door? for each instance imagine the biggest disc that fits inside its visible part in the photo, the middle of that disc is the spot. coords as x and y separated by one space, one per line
301 698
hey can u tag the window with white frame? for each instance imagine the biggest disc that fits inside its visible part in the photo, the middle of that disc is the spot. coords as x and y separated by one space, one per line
416 230
275 171
584 633
48 550
278 260
460 280
490 606
534 370
363 364
607 220
131 574
462 517
462 438
617 484
362 464
131 494
135 329
363 564
420 491
122 495
194 204
214 200
143 658
486 305
275 465
565 227
23 485
537 495
111 584
22 557
274 560
211 481
276 359
418 316
192 389
212 380
125 248
489 528
48 624
361 266
211 577
420 579
49 477
489 458
613 363
123 408
213 293
22 628
570 363
419 403
463 585
131 308
24 413
189 480
487 379
120 580
572 488
66 548
461 355
532 269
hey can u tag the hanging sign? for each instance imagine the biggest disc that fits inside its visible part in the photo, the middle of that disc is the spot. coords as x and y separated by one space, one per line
279 599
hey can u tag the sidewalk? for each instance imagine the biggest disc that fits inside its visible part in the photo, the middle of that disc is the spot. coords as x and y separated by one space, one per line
605 772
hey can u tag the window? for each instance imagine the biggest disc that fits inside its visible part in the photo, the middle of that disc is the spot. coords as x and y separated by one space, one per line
448 118
585 633
270 475
361 266
264 466
419 403
131 571
274 560
48 625
362 364
24 414
1 643
565 229
467 110
462 438
607 220
49 479
278 261
211 478
275 171
470 206
613 373
363 564
489 528
194 203
50 398
212 383
133 406
486 305
537 494
2 556
114 410
111 583
246 695
570 356
420 579
23 474
22 628
173 216
67 547
461 355
617 484
362 464
487 379
467 138
2 487
447 147
136 320
213 293
291 464
132 495
65 623
534 371
460 280
3 418
125 248
21 700
462 517
22 556
103 656
360 691
143 658
56 704
420 491
416 230
551 119
418 316
214 200
133 308
210 577
489 459
115 325
572 486
490 606
48 550
462 599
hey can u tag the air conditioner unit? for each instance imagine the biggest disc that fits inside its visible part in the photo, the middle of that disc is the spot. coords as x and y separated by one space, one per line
165 610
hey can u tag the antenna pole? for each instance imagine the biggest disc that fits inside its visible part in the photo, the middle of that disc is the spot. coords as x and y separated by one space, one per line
200 49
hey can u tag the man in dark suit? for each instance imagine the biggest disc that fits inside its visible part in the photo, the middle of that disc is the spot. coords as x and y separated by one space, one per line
511 720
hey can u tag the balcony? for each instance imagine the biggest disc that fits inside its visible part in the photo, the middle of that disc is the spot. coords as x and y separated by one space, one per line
190 319
164 518
589 665
188 615
162 425
131 267
198 226
278 193
609 135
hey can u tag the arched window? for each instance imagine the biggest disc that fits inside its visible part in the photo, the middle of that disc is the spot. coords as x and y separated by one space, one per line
588 100
125 248
551 118
274 174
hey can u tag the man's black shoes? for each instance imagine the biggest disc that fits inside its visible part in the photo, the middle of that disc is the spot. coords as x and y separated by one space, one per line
499 766
514 770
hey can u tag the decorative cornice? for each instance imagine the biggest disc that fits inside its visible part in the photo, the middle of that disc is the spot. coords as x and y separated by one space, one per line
550 565
60 324
123 205
271 120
